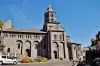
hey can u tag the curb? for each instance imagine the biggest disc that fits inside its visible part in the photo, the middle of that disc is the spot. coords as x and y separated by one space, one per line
32 63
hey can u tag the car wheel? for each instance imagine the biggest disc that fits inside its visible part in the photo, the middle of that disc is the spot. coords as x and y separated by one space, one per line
1 62
14 62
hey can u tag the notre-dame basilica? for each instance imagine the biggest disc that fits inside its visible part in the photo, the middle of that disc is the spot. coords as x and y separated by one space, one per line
50 41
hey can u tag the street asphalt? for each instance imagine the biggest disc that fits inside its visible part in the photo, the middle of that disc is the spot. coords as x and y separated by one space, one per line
42 64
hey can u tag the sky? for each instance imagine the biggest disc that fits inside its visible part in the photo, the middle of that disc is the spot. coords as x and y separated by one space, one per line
80 18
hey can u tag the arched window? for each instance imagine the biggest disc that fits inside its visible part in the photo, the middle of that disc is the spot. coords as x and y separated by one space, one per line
55 36
8 50
52 19
36 46
60 37
20 36
44 46
51 15
28 36
18 45
36 43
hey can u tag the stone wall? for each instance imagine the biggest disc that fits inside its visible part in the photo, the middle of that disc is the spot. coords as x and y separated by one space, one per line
11 41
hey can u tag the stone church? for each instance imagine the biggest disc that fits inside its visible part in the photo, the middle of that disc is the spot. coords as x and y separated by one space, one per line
50 41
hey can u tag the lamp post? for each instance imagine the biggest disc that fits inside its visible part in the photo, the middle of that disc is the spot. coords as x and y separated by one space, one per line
1 42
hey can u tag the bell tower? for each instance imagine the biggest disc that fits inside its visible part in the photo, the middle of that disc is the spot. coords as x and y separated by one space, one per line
50 15
49 18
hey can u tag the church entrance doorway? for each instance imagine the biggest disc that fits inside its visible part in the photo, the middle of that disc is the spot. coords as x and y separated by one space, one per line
55 54
28 52
27 48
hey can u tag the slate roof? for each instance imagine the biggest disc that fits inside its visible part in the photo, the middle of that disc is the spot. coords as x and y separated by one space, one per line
25 30
75 43
98 34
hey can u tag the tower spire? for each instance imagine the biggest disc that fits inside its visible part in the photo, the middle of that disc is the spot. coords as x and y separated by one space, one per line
49 8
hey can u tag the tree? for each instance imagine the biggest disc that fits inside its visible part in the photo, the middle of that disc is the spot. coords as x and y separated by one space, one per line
1 23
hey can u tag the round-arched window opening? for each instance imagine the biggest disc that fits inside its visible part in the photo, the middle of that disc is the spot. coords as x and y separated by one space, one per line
8 50
52 15
18 45
52 19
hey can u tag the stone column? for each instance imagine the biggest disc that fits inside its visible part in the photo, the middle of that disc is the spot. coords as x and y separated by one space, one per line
34 50
23 50
74 52
33 53
65 47
49 45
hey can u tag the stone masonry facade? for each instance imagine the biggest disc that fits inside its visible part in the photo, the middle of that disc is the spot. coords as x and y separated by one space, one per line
50 41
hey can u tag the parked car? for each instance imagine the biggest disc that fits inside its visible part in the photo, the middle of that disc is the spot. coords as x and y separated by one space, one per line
4 59
96 61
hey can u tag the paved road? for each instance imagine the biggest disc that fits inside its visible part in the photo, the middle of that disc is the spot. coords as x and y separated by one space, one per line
37 65
43 64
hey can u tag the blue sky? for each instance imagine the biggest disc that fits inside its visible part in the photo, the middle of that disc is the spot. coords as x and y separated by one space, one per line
80 18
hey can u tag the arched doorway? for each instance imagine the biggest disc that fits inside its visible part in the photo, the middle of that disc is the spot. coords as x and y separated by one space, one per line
55 54
55 48
28 52
8 50
28 48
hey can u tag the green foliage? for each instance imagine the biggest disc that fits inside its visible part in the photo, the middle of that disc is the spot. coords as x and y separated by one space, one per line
44 59
1 23
38 59
29 60
41 59
26 60
13 26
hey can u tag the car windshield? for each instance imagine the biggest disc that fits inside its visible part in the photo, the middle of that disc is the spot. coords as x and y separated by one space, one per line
14 57
3 56
9 57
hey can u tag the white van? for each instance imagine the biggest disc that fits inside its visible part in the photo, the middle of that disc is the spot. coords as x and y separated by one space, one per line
4 59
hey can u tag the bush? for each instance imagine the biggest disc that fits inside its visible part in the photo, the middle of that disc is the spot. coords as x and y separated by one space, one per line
44 59
41 59
38 59
26 60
